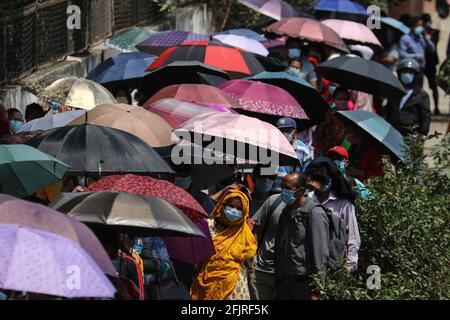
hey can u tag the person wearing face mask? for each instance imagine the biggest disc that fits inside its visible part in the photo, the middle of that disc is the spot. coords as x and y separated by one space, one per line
307 70
224 275
122 95
413 110
16 121
318 179
263 180
301 247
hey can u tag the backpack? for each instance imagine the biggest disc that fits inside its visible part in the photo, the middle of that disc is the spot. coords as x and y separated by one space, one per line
337 244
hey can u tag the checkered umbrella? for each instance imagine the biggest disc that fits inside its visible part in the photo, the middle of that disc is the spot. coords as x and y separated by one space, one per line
158 43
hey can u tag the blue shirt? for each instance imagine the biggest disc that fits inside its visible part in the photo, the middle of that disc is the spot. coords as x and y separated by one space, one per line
413 46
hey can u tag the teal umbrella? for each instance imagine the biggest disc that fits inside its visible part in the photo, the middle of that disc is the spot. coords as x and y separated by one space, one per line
379 129
126 41
25 170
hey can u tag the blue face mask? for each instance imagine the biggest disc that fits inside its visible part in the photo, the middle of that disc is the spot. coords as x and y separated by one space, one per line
340 165
232 214
288 137
295 53
263 185
407 77
295 71
419 30
15 125
183 182
288 196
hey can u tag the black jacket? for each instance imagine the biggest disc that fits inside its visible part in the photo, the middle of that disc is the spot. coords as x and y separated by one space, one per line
416 112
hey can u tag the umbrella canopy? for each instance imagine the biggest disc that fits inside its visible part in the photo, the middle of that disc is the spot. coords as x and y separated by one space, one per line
176 112
311 101
257 97
379 129
307 29
391 30
95 150
236 62
158 43
79 93
148 126
127 68
272 43
194 93
244 43
275 9
193 72
353 32
25 170
243 32
153 187
362 75
240 136
27 214
395 24
127 40
41 262
128 213
51 122
342 6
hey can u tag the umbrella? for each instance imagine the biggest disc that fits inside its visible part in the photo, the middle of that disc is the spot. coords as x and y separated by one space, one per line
128 213
395 24
158 43
19 138
95 150
244 43
153 187
50 122
193 72
379 129
127 40
194 93
362 75
126 68
145 125
236 62
240 136
341 9
27 214
243 33
256 98
176 112
391 30
273 43
312 103
309 30
25 170
46 263
353 32
79 93
275 9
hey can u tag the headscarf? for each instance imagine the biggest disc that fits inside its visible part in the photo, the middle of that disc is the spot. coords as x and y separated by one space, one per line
234 245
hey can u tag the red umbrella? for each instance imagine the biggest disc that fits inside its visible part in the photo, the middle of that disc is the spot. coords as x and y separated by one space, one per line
194 93
238 63
152 187
307 29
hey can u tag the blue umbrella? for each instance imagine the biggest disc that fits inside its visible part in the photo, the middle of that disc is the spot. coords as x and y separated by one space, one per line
343 6
129 67
394 23
379 129
243 33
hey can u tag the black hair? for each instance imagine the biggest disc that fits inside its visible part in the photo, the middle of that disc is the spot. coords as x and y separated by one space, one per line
301 181
319 175
340 89
124 88
413 21
12 111
32 108
405 18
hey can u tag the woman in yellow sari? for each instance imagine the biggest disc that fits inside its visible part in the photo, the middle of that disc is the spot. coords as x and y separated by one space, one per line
224 275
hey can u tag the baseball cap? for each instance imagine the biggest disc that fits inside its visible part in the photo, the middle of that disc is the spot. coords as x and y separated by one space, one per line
339 150
286 123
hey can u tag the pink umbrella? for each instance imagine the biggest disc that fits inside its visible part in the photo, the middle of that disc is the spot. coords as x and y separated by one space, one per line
273 43
255 96
353 32
240 136
275 9
176 112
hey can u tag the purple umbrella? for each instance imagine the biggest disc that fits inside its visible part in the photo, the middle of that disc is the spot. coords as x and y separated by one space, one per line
191 250
22 213
45 263
275 9
158 43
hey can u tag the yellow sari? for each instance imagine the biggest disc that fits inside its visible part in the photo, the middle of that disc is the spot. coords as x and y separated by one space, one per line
234 245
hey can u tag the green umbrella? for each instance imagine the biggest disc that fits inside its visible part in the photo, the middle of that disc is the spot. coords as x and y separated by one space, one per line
379 129
125 41
25 170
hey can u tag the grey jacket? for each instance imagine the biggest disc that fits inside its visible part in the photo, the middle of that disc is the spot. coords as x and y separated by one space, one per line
300 252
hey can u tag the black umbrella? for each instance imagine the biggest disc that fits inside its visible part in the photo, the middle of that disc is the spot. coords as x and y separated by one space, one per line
362 75
95 150
180 72
308 97
127 213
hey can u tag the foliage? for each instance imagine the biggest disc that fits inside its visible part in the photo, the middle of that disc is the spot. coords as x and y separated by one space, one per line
404 231
443 77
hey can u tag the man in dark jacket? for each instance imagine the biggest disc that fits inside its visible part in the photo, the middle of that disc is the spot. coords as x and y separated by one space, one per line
301 242
413 110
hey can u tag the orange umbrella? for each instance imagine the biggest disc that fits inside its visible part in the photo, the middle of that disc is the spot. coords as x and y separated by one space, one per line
144 124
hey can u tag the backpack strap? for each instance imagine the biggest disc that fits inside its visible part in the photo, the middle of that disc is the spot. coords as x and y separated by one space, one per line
272 208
